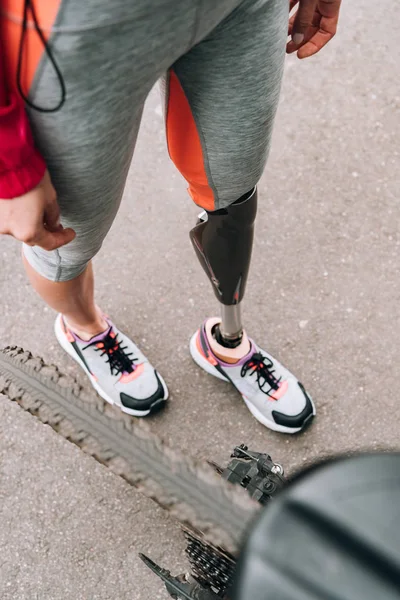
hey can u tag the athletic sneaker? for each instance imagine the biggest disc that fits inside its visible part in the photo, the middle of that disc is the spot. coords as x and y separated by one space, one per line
272 394
116 368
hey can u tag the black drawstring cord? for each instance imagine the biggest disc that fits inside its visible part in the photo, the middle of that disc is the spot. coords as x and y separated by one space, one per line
28 5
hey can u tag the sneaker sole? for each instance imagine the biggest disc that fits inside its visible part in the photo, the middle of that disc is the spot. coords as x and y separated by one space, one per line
206 366
65 345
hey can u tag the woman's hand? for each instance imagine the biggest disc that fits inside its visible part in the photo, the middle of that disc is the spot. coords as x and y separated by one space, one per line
312 26
33 218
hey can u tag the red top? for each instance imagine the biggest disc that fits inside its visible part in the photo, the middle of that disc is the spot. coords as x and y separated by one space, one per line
21 165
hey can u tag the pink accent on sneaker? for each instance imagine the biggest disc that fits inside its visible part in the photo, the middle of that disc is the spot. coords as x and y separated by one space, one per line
212 360
128 377
210 357
68 334
281 391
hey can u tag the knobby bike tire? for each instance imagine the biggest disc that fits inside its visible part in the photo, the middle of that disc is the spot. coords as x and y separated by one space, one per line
190 491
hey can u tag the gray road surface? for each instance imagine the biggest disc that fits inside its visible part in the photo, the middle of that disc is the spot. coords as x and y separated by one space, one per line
323 296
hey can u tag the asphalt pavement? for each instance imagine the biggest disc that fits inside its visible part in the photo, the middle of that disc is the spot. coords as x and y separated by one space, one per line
323 296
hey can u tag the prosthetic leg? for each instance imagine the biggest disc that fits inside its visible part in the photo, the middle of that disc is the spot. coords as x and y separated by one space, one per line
223 242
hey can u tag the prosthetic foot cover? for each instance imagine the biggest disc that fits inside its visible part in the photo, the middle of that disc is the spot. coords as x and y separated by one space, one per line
223 242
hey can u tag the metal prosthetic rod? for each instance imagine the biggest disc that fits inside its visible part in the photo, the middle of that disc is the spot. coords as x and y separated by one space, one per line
223 242
231 327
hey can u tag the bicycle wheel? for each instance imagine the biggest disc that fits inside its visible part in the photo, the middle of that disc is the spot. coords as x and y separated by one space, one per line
191 492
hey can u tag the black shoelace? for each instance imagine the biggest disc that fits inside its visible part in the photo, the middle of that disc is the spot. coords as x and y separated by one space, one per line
264 370
119 360
28 6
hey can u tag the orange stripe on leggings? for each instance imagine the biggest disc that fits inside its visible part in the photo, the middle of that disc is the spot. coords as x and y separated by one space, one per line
184 145
10 32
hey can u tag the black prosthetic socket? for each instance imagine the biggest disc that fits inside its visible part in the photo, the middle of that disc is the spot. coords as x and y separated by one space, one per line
223 242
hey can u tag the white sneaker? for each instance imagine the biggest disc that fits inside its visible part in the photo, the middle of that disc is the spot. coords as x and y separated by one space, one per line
272 394
116 368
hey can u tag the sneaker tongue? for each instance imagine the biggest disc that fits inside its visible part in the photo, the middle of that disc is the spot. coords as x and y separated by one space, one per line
241 361
247 356
96 338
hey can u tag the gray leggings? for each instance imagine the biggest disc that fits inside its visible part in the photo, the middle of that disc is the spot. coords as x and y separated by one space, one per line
224 62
